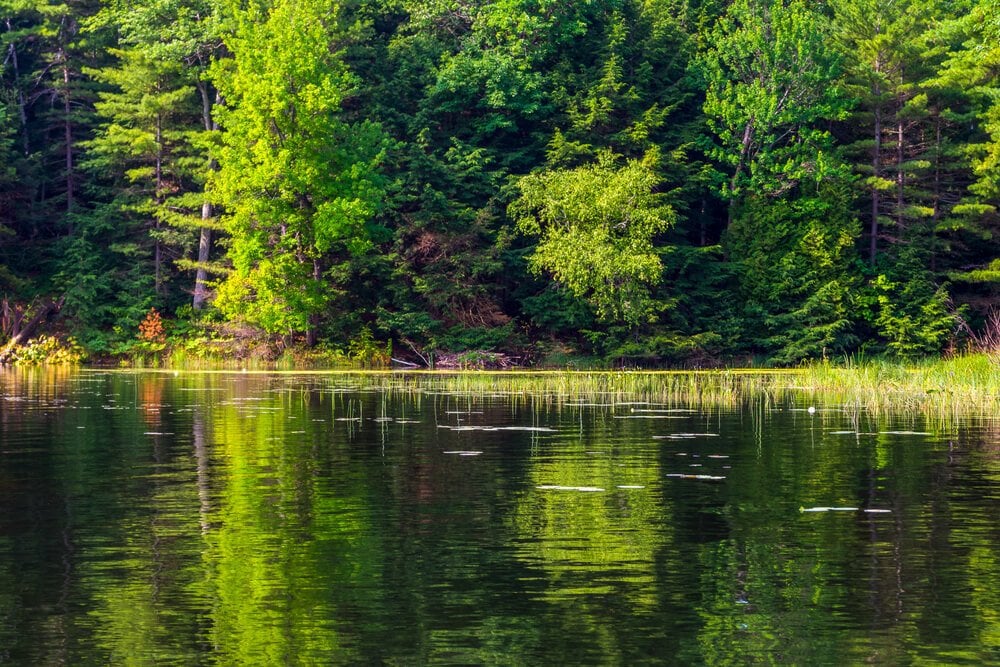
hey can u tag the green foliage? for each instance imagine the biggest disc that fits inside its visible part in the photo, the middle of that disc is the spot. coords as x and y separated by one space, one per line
914 316
770 81
597 225
795 270
299 183
48 350
480 338
368 352
656 182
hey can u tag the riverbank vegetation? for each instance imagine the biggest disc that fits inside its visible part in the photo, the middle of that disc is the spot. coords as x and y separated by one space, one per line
626 183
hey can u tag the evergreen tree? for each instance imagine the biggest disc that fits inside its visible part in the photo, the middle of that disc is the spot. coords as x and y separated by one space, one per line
972 244
904 146
8 198
182 34
772 89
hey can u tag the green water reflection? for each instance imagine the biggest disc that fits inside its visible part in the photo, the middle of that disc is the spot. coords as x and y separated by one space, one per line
153 518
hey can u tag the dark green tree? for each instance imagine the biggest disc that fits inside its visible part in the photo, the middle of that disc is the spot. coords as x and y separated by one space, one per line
772 88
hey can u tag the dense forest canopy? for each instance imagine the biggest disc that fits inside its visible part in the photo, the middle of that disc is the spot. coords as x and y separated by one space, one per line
666 180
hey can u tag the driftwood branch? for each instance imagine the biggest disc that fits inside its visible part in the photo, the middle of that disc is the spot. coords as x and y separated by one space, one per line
413 348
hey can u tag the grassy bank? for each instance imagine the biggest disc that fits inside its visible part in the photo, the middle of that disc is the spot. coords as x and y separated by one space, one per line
967 383
959 385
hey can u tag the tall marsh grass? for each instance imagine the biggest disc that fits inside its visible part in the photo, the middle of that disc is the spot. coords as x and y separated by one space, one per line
962 385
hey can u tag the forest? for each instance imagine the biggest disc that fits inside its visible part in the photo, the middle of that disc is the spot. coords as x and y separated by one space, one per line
657 182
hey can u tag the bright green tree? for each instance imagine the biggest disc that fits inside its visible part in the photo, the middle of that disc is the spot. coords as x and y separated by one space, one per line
298 182
597 226
771 84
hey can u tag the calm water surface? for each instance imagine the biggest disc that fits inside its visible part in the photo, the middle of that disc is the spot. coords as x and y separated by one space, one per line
148 518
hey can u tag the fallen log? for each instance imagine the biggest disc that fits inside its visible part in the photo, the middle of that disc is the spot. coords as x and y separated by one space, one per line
45 311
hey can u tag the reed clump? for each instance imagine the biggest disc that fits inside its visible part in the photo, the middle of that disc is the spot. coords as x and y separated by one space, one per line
966 383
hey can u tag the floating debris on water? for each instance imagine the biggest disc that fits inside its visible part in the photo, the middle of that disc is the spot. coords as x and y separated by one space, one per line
718 456
630 486
544 429
685 436
553 487
157 433
678 475
903 433
844 509
685 410
844 433
828 509
464 452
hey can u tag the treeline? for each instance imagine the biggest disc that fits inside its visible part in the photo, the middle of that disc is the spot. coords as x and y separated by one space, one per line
665 180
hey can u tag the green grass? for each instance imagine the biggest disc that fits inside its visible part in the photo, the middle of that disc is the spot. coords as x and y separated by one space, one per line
967 383
961 385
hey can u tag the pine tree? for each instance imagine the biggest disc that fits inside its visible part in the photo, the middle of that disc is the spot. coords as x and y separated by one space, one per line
972 231
772 90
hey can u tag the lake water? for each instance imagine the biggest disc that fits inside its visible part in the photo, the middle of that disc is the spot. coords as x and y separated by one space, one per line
153 518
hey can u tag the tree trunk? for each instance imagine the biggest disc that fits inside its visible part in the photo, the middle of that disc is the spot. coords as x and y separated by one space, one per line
937 192
900 176
68 136
876 171
22 113
207 210
744 152
158 250
204 249
312 335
